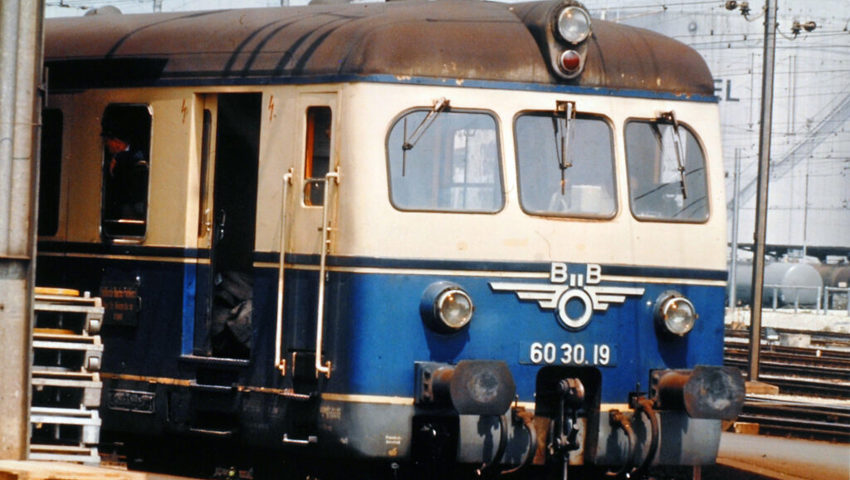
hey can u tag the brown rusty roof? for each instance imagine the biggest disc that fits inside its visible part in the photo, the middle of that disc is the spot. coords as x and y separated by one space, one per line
451 41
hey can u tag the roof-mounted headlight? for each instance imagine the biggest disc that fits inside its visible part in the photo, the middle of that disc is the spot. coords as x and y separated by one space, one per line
675 314
573 24
446 307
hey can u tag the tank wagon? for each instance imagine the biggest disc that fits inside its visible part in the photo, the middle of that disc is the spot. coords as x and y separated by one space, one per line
785 283
436 237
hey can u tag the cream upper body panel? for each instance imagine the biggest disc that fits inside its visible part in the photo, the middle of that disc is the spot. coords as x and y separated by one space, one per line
368 225
364 221
174 163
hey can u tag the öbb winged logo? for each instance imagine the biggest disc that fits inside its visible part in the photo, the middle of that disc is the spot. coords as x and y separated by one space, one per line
566 287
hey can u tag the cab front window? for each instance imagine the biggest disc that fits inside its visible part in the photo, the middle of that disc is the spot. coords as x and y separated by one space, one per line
666 172
445 161
565 168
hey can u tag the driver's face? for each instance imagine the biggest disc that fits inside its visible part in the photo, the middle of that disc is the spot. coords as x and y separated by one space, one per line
114 145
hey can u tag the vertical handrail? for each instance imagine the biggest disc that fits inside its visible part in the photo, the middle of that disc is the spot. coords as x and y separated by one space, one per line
330 178
280 363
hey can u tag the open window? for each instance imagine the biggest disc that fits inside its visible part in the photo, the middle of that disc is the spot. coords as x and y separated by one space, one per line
50 172
666 168
445 160
126 134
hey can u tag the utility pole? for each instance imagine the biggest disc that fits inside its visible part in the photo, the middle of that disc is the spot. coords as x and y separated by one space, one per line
806 213
20 73
763 176
733 273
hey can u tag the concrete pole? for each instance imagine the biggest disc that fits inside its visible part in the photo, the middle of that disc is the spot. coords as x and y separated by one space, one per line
763 176
20 74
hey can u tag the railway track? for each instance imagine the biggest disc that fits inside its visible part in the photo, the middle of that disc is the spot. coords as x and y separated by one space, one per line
798 419
820 370
798 370
818 373
821 339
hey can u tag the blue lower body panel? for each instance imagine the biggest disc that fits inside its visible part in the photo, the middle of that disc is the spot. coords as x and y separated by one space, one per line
157 383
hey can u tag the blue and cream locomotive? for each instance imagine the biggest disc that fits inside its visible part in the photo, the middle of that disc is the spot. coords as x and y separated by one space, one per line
424 236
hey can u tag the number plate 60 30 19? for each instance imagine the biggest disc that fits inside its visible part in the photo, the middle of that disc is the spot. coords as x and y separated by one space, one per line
551 353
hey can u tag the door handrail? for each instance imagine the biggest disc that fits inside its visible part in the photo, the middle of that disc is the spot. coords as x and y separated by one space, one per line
279 361
330 178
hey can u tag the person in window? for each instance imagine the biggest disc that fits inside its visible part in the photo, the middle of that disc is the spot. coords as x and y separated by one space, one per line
125 175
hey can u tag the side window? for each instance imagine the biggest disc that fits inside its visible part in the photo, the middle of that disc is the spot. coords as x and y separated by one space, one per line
666 173
50 172
573 180
126 133
445 161
317 154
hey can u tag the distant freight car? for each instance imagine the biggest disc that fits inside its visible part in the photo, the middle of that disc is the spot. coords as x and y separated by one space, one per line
785 283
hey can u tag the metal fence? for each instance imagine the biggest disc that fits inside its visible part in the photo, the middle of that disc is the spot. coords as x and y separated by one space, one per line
828 298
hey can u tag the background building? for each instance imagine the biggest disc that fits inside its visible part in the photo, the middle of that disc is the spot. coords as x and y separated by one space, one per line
809 197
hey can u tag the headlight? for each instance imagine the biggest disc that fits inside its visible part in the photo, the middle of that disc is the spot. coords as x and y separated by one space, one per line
675 314
446 307
573 24
454 308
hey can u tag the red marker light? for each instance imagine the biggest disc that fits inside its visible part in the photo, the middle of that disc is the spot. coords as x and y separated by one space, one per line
570 61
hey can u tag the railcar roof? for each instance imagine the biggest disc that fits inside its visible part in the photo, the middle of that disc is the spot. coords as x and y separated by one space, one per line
444 41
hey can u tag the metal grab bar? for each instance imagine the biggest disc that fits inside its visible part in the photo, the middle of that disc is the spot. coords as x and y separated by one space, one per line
331 177
311 439
280 363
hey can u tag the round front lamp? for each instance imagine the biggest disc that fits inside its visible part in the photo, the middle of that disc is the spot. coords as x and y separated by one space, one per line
573 24
446 307
675 314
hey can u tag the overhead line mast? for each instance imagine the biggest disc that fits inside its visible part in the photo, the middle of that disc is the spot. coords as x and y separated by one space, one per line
763 177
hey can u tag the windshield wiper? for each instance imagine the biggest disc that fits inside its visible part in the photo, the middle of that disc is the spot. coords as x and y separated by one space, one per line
408 143
562 126
677 142
439 105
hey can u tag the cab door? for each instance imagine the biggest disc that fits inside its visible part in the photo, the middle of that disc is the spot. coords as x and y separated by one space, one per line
311 205
227 225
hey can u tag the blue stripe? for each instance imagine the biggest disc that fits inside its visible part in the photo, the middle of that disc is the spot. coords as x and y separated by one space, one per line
177 79
375 262
98 249
496 266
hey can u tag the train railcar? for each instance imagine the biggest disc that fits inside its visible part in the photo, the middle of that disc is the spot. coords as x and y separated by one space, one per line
442 237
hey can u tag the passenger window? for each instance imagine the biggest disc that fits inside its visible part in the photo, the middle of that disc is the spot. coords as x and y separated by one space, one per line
126 134
50 172
318 154
445 161
576 179
666 174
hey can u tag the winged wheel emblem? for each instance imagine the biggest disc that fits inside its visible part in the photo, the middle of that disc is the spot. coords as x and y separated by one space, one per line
566 287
